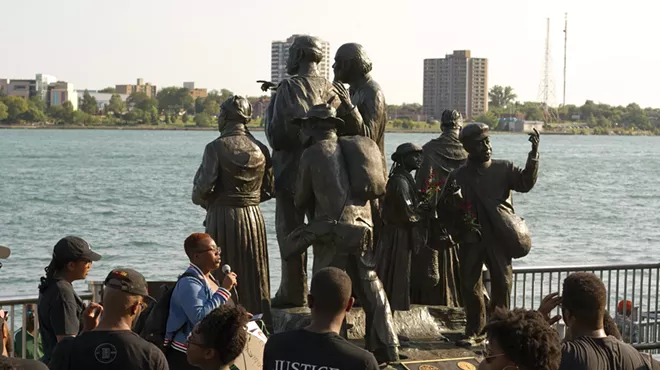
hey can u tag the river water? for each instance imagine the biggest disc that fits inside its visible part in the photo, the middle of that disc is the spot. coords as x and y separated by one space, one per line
128 194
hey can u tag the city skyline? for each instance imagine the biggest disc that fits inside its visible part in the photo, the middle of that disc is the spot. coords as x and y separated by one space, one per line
99 46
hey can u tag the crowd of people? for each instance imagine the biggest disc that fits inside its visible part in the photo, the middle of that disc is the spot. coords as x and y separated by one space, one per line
206 330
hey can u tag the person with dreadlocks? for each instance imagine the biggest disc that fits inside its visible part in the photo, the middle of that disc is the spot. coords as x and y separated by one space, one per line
59 308
400 236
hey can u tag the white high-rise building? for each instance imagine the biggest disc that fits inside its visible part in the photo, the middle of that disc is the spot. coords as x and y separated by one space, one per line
279 53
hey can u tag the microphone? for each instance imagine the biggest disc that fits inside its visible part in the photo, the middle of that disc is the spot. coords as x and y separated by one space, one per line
226 269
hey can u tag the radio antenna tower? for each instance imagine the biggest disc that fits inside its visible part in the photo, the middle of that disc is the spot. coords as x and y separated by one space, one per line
565 42
546 90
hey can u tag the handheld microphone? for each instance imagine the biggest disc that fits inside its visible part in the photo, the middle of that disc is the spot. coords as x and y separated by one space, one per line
226 269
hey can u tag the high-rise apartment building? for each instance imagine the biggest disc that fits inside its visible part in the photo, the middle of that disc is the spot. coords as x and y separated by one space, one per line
279 53
458 82
148 89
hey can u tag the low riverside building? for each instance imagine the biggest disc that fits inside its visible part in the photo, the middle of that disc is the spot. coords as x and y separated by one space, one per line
148 89
52 91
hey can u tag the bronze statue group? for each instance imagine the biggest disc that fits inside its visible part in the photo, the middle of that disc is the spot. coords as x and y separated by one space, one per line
329 178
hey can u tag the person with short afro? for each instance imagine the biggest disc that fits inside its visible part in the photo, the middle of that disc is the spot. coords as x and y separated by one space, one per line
520 339
219 338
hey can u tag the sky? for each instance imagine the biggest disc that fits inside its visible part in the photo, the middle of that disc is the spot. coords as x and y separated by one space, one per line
613 53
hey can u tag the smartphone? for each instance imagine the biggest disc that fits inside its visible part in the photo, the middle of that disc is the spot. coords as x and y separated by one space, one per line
257 317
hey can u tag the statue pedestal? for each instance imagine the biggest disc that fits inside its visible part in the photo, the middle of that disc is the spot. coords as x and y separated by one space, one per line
419 323
432 330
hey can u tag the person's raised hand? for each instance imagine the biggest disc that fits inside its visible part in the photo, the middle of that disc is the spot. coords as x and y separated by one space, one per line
549 303
535 138
342 93
229 281
91 316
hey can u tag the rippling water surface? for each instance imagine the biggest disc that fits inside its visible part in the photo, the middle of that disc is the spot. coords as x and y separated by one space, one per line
128 193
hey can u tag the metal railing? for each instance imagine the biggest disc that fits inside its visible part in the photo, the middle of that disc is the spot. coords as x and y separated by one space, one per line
16 307
638 283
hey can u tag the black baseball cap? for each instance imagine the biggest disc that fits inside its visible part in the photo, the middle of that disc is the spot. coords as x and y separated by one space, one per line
128 281
72 248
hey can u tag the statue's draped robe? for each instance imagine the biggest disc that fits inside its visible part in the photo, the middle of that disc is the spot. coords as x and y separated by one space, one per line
234 177
293 98
441 156
399 237
323 181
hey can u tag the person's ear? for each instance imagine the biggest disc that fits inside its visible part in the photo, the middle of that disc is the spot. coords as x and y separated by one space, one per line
209 354
350 304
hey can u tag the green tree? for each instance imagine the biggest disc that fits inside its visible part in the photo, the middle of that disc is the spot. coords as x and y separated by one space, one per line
175 98
501 96
203 120
116 105
489 118
211 107
108 90
38 103
88 103
3 111
184 118
199 105
155 116
34 115
136 115
141 101
68 115
16 106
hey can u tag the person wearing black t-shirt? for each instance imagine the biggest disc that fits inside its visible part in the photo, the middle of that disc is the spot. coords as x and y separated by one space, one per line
59 308
5 337
589 347
319 345
112 344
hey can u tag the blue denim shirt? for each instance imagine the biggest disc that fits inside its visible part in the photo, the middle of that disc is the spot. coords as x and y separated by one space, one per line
192 300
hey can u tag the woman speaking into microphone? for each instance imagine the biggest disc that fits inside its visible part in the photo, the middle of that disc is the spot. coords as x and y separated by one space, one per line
195 295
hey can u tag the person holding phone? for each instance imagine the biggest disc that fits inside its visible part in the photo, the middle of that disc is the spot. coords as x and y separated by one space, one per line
59 308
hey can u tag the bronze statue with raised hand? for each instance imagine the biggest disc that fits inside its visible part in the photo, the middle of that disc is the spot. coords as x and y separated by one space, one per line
486 186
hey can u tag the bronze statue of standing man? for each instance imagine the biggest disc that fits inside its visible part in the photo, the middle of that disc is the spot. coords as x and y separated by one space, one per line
441 156
293 98
234 177
340 230
363 107
486 185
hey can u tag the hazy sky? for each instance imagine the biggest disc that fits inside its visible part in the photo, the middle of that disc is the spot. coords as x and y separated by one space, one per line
613 53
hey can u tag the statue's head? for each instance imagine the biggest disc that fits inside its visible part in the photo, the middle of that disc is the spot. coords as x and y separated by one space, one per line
236 109
351 62
450 119
305 49
409 156
319 120
475 140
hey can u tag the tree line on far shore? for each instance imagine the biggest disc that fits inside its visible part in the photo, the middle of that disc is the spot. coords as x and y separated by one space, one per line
175 106
172 105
